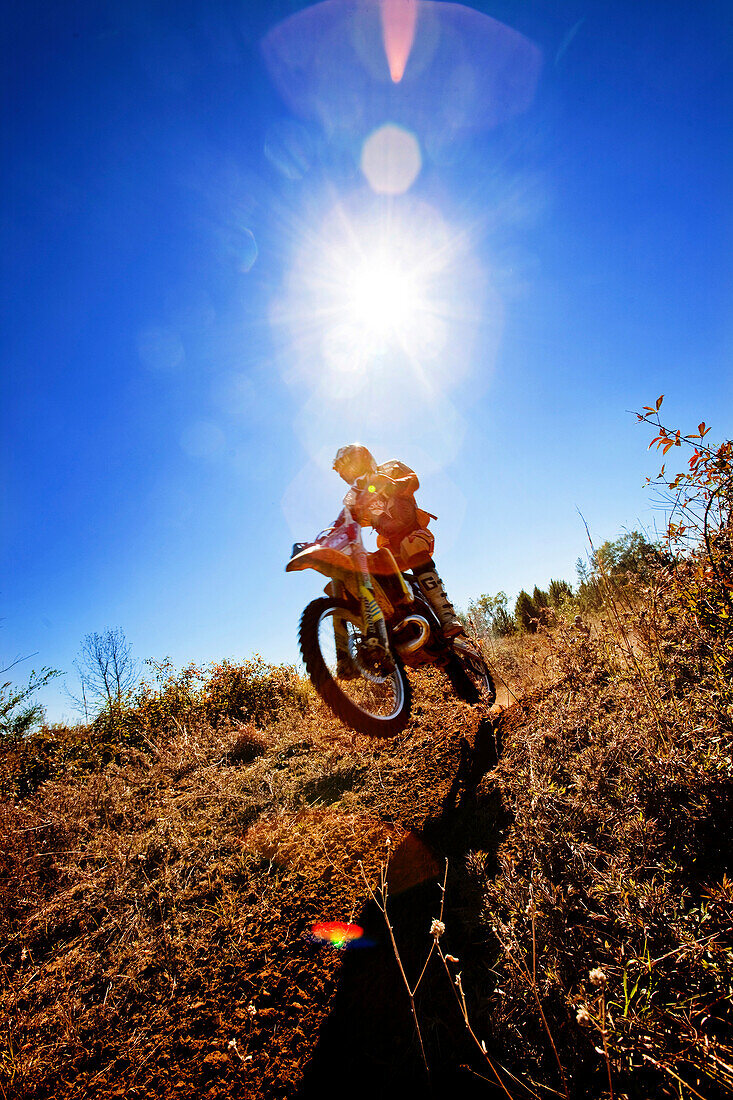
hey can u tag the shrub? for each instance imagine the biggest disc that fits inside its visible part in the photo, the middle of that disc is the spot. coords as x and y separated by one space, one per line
253 691
216 695
18 716
54 751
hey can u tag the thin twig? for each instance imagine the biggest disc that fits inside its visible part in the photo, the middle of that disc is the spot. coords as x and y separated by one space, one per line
605 1043
522 966
440 918
383 891
457 985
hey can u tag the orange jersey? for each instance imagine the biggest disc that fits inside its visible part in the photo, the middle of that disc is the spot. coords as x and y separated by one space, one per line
385 500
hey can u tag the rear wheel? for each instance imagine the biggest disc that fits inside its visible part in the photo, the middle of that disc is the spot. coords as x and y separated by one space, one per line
471 680
366 693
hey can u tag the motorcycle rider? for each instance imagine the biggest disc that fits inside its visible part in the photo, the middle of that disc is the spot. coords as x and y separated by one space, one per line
383 497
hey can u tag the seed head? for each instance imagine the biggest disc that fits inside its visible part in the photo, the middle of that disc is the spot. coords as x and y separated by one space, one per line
583 1017
597 977
437 928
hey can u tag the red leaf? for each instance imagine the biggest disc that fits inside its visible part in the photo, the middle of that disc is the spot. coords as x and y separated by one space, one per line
660 399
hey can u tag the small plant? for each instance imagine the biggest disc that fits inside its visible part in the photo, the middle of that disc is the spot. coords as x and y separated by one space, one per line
18 715
380 897
251 691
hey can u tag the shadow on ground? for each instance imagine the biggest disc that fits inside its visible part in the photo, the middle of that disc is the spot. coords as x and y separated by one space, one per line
369 1042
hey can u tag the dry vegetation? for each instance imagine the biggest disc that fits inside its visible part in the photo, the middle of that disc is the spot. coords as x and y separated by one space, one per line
160 872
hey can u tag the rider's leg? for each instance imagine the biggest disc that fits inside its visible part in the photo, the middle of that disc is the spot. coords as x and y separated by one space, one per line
415 552
434 590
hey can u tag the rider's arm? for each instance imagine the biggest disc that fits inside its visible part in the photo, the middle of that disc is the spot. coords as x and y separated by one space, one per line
402 480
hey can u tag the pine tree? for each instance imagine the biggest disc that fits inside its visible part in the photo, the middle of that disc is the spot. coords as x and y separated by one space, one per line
526 613
540 598
558 591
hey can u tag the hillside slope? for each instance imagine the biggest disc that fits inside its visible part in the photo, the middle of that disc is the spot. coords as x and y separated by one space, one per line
156 911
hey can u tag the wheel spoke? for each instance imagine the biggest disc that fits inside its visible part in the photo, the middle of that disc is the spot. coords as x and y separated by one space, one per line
350 665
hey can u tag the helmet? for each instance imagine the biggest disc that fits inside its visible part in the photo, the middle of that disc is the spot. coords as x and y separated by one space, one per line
353 461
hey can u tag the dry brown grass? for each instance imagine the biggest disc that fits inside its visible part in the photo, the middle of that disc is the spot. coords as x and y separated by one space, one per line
155 905
620 781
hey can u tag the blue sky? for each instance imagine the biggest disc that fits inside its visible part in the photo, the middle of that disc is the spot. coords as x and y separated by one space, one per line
184 187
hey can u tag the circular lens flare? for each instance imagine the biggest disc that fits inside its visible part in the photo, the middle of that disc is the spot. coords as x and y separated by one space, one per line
391 160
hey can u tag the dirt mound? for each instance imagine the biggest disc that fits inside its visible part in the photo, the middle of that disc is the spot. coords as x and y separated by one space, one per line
160 942
157 914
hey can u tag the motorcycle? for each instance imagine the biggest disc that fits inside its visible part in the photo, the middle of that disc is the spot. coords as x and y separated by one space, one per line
373 622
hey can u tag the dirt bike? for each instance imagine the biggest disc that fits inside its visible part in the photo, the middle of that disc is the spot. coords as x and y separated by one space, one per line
374 621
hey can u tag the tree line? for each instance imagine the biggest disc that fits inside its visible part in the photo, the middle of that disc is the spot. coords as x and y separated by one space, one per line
624 560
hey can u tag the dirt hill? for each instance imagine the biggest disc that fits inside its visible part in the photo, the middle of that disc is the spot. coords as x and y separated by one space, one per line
157 903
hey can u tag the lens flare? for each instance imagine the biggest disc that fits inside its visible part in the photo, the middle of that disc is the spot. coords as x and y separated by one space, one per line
338 934
449 68
377 292
391 160
399 18
248 251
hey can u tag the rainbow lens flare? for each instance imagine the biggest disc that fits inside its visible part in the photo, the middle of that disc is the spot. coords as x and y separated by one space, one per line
338 934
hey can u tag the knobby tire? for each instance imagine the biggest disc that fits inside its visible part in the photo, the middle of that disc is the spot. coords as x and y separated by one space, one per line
465 686
328 689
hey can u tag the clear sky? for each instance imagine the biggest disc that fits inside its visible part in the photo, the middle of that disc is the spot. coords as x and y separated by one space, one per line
239 234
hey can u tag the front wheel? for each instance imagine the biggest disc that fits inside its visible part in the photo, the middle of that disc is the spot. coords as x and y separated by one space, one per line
372 701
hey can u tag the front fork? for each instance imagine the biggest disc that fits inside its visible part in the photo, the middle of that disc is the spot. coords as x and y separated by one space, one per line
376 638
375 634
336 588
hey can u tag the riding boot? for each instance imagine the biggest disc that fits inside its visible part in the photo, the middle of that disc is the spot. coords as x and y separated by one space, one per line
435 592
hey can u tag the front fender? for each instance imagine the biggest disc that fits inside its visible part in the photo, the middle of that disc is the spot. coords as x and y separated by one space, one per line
324 559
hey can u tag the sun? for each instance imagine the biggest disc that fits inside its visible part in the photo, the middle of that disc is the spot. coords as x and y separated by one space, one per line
383 301
379 291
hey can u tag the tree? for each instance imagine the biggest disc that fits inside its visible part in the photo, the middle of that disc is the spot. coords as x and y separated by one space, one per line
540 598
17 715
107 671
526 613
631 554
490 615
502 623
558 591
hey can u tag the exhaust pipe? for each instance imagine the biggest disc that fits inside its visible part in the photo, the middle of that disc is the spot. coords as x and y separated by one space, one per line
406 648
